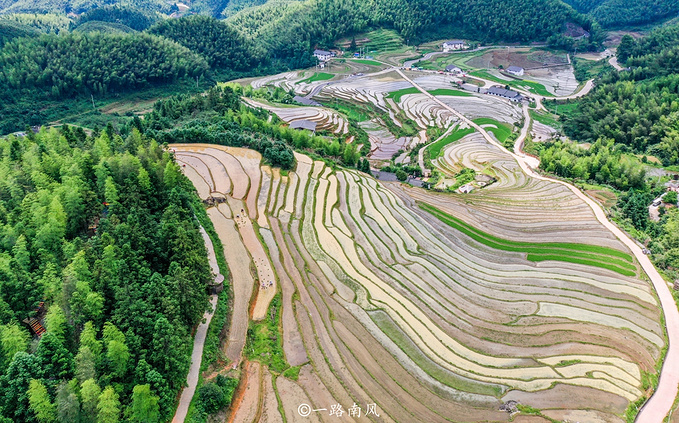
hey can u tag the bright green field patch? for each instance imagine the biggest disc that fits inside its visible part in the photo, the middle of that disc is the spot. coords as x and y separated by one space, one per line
396 95
591 255
368 62
448 91
318 76
353 113
502 132
623 269
533 86
436 148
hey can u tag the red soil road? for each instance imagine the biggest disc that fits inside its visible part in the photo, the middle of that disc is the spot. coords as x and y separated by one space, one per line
660 404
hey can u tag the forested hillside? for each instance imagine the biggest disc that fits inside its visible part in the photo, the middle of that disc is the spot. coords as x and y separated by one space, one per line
102 230
220 44
10 30
619 13
128 16
99 63
637 108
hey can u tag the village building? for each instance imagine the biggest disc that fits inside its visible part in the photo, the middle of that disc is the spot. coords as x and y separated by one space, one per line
453 45
304 124
672 185
505 93
323 55
453 69
515 70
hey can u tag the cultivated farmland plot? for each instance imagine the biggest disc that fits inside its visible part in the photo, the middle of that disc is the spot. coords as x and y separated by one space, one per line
430 307
324 118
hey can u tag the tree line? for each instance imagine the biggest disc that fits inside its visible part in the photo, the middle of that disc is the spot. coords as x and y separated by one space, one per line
621 13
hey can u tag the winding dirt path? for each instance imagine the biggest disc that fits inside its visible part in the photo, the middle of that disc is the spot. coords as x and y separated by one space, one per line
199 341
656 408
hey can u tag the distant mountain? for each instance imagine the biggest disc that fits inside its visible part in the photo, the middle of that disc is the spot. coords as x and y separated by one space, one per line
75 6
620 13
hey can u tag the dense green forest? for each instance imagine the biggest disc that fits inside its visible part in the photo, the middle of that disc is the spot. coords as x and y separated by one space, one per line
221 45
102 229
619 13
98 63
10 30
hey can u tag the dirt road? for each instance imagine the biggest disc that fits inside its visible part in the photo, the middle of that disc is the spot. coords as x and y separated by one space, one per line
655 409
199 341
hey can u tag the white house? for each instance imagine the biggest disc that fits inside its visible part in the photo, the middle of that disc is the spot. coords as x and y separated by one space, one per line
515 70
323 55
453 69
454 45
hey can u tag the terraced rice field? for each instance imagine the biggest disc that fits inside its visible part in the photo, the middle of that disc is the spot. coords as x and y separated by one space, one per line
432 307
325 119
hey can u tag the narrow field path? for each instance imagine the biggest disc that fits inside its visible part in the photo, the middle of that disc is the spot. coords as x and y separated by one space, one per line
533 162
199 341
655 409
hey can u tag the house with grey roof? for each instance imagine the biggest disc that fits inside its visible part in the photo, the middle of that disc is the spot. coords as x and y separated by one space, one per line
505 93
453 69
515 70
304 124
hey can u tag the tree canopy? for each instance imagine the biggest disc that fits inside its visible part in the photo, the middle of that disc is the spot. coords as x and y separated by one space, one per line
102 229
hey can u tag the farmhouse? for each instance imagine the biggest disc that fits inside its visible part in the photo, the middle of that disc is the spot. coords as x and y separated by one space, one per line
323 55
505 93
453 45
304 124
515 70
672 185
453 69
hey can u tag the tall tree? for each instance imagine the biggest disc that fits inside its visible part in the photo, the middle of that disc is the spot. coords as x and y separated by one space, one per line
39 401
108 406
144 408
